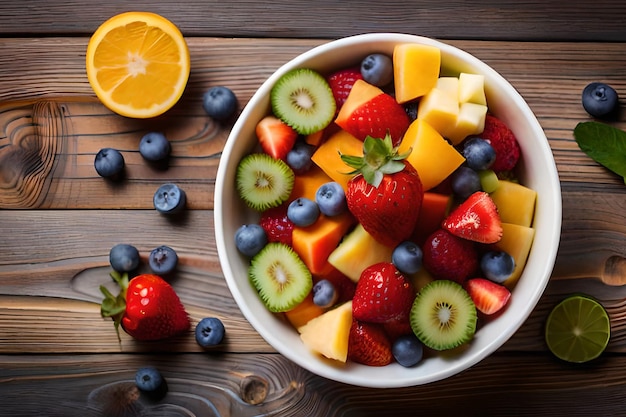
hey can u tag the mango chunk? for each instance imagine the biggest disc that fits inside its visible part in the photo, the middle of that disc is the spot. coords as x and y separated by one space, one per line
304 312
515 203
440 109
328 333
307 183
328 156
416 70
516 241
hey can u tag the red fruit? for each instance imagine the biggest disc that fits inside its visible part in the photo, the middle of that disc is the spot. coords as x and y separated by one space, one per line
385 201
147 307
368 344
488 296
475 219
449 257
344 286
341 83
275 136
378 117
382 294
503 142
277 225
397 328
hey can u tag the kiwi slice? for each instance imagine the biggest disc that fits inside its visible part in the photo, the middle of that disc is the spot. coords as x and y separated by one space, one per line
443 315
303 99
264 182
281 278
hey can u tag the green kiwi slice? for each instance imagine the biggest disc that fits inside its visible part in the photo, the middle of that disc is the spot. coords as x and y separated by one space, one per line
302 98
281 278
264 182
443 315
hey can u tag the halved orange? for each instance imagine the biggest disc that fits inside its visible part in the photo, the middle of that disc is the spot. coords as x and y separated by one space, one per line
138 64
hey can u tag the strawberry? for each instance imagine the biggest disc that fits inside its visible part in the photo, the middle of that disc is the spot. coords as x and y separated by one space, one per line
382 294
368 344
147 307
377 117
341 83
277 225
449 257
475 219
503 142
397 328
275 136
488 296
344 286
386 194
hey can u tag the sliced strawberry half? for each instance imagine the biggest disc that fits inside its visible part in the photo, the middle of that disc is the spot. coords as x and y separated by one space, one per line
488 296
275 136
368 344
475 219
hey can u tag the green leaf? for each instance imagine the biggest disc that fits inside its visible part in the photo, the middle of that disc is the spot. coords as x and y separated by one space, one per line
603 143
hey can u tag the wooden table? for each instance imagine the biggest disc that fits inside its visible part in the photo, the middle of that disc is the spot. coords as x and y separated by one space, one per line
58 221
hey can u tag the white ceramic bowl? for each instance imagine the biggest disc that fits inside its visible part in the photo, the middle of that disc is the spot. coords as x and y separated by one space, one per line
538 171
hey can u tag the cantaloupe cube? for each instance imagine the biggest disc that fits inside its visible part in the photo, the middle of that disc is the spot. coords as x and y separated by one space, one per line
328 158
415 70
472 88
470 121
304 312
307 183
516 241
315 243
328 334
357 251
439 109
432 156
515 203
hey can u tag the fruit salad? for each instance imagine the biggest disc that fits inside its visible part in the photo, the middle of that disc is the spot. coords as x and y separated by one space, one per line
392 223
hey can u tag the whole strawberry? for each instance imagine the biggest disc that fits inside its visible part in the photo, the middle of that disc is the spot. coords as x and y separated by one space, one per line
382 295
503 142
386 193
368 344
147 307
447 256
341 83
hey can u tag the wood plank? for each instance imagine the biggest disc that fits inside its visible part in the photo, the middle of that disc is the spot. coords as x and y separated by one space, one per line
576 20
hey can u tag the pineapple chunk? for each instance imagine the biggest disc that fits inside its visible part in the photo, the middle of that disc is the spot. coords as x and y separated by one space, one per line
470 121
448 84
515 203
328 333
440 109
472 88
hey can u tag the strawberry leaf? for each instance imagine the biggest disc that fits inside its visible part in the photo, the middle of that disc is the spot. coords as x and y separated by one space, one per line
114 306
603 143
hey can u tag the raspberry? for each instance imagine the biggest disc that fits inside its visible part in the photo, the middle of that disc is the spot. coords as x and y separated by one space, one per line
341 83
503 142
277 225
449 257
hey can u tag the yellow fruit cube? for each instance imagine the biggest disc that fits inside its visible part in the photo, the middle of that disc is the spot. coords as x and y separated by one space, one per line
472 88
357 251
448 84
328 156
470 121
432 156
440 109
516 241
515 203
328 333
415 69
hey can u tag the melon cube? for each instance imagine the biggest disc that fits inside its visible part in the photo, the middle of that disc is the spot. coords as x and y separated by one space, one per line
515 203
470 121
328 156
448 84
307 183
440 109
304 312
328 333
472 88
416 70
516 241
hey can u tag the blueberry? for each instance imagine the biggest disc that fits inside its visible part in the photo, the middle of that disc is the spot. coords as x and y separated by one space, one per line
407 257
497 266
303 212
377 69
250 239
600 100
210 332
324 293
479 154
331 199
220 103
169 199
150 381
109 163
124 257
411 109
465 182
155 147
407 350
163 260
299 157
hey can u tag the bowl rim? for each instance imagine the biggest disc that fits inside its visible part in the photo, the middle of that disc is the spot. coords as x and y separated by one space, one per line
398 377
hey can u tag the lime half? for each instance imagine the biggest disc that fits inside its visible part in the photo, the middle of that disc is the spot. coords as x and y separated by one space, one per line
578 329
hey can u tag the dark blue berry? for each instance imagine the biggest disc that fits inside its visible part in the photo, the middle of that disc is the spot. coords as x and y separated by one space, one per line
465 182
155 147
303 212
479 154
411 109
220 103
407 350
124 257
169 199
250 239
299 157
600 100
210 332
324 293
331 199
497 266
407 257
377 69
163 260
150 381
109 163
